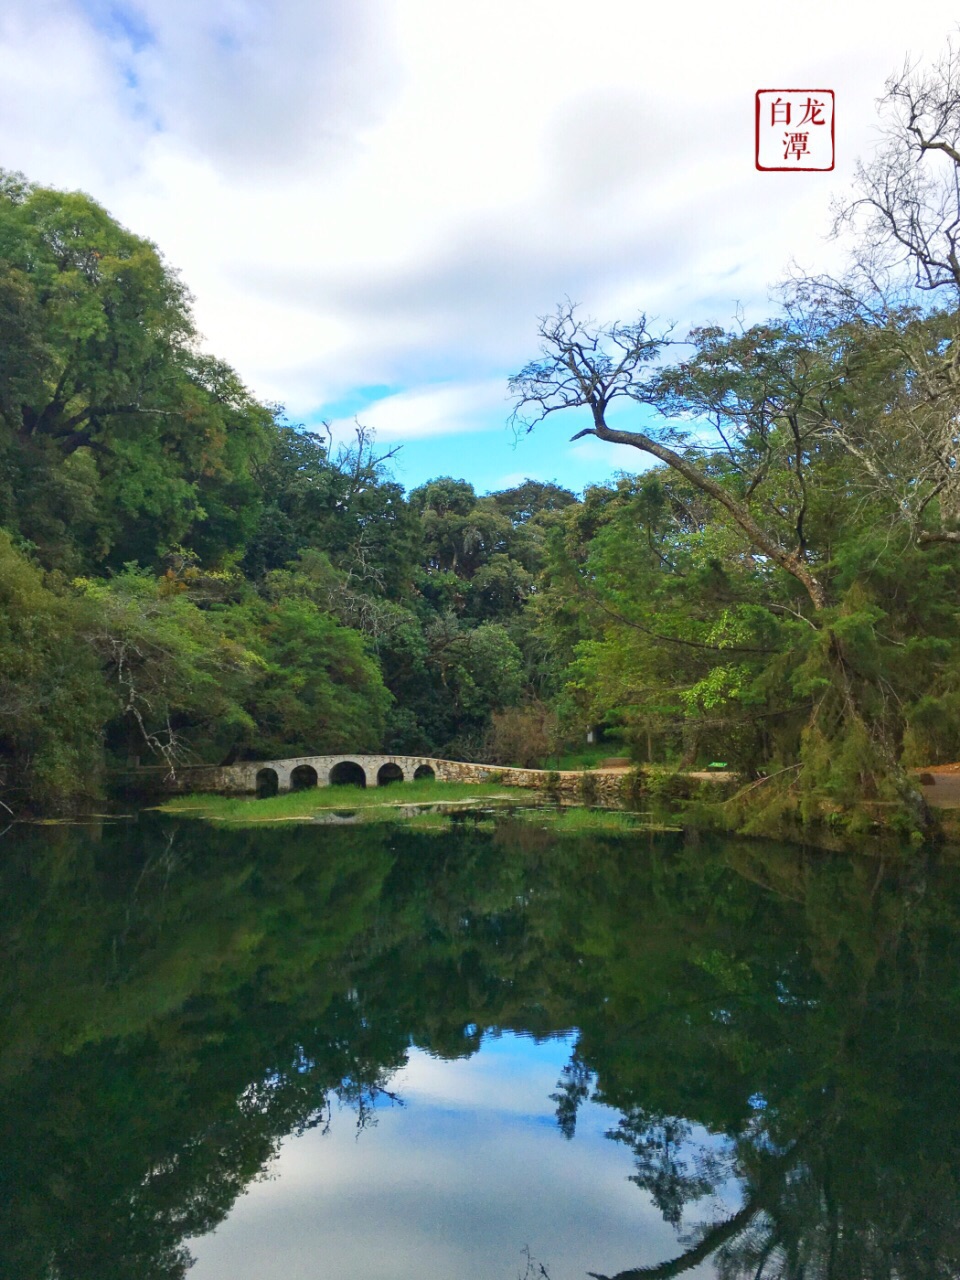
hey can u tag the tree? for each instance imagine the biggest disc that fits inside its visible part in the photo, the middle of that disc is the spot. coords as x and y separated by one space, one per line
586 365
178 682
460 531
899 302
764 419
318 688
666 631
339 500
524 736
473 672
907 195
121 437
53 697
530 499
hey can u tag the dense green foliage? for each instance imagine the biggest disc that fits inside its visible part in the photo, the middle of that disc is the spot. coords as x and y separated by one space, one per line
778 590
186 577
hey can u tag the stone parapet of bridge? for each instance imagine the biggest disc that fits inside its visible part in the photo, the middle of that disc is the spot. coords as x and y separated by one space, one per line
270 776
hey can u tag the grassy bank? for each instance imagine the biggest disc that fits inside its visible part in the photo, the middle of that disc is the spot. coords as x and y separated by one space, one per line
370 802
667 801
437 802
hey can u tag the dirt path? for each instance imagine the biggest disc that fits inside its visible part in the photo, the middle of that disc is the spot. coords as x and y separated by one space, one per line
944 791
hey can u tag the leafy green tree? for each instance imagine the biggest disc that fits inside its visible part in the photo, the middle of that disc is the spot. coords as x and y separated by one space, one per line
802 613
339 501
53 697
458 534
531 500
317 687
665 629
475 670
179 684
122 439
481 555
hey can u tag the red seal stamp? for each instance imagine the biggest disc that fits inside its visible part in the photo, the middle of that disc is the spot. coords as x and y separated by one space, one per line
795 130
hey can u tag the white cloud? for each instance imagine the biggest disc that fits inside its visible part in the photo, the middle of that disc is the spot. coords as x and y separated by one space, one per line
433 411
509 481
67 115
389 192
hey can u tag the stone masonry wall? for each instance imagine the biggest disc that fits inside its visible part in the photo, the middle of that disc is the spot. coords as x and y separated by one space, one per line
241 779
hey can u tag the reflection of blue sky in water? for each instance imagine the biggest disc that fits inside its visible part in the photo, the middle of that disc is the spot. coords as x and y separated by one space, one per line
453 1184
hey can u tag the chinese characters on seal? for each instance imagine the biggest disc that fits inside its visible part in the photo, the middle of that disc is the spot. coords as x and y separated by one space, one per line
795 129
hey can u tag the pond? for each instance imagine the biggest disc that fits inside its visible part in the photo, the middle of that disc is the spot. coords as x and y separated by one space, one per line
370 1052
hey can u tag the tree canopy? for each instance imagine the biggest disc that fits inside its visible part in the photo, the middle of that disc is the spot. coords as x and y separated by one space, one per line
784 583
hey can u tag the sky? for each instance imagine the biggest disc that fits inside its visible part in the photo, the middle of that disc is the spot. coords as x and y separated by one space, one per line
456 1182
373 201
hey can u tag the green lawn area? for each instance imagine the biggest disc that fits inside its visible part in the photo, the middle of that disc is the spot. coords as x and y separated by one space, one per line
587 757
384 804
374 802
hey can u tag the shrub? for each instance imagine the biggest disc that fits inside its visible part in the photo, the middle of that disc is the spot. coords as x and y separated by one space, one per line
633 788
521 736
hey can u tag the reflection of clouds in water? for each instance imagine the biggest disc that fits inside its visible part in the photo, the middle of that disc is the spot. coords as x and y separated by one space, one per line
455 1183
513 1075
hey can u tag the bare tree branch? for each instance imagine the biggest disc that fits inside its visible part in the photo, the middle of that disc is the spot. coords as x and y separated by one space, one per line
584 365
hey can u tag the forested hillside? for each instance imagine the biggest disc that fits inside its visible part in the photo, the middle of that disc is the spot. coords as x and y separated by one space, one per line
185 576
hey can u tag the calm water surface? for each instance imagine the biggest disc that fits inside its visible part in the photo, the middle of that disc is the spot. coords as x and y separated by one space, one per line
368 1053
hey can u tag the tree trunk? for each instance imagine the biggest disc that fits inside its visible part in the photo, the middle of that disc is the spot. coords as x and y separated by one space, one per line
791 561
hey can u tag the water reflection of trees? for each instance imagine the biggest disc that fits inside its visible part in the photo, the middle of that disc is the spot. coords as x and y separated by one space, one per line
805 1011
778 1031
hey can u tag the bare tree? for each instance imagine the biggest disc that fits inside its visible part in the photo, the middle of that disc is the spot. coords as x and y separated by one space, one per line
900 301
888 331
585 365
907 208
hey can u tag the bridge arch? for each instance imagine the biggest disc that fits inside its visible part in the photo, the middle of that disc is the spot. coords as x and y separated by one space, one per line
349 773
303 777
424 771
267 783
388 773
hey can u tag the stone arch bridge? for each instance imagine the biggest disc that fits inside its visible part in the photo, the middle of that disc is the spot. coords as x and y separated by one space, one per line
268 777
